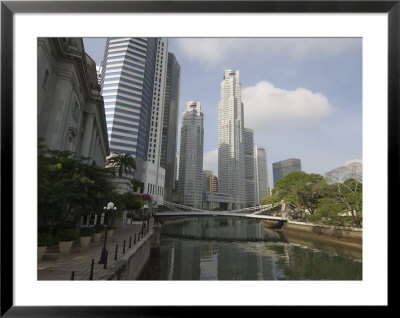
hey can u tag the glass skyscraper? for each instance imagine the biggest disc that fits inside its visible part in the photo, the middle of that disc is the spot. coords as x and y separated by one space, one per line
191 156
261 173
132 78
284 167
127 77
170 124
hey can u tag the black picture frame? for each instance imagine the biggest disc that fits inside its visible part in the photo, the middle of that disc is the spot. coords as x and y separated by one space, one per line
8 8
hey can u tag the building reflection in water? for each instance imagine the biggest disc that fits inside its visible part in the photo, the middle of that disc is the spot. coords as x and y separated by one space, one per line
240 249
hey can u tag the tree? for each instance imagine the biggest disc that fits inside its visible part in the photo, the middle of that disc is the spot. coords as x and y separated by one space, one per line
132 201
299 188
345 191
68 188
122 162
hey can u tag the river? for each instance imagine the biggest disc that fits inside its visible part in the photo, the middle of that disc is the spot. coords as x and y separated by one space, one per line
232 248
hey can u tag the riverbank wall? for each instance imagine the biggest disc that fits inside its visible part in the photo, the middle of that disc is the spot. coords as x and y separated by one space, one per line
336 234
132 264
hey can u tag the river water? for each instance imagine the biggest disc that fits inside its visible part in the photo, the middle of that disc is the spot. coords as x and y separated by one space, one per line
231 248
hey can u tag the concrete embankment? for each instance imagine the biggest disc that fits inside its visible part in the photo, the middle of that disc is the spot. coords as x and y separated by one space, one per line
351 237
132 264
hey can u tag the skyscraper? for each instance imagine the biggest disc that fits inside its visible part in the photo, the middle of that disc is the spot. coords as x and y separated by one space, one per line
170 124
231 166
284 167
191 156
133 73
249 166
261 173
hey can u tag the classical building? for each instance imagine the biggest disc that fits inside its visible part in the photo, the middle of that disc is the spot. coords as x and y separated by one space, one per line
70 107
231 157
170 125
248 137
191 156
261 173
284 167
133 78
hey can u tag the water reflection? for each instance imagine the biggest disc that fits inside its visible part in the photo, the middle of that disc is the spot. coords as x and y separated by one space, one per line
218 248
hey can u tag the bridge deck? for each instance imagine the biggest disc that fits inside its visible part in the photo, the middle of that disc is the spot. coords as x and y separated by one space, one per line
219 213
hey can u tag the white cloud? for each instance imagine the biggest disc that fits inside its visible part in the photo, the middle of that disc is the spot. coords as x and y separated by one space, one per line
214 50
210 161
267 106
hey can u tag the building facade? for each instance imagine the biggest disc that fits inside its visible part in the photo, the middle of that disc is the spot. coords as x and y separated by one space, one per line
261 173
248 137
210 182
133 77
170 125
231 157
190 183
70 107
284 167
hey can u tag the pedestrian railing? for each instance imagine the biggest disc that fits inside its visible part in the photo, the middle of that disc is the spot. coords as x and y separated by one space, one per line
113 255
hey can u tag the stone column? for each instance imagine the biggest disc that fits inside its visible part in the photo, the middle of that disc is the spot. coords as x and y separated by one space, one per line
58 108
87 135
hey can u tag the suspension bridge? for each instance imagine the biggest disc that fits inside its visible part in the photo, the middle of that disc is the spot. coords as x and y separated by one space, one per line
265 212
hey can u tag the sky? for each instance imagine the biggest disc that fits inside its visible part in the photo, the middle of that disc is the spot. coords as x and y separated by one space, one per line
302 96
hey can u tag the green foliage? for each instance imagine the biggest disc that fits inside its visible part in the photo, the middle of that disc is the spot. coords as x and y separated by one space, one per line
98 228
121 162
272 199
86 231
68 187
337 203
299 188
66 235
45 239
132 201
342 199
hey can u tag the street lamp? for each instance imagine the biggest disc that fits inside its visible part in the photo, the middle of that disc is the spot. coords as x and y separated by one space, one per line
110 206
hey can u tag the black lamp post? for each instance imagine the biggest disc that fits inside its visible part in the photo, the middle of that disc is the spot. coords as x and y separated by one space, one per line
110 206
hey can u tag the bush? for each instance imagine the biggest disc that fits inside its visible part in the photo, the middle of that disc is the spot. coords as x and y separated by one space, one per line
86 231
98 228
45 239
67 235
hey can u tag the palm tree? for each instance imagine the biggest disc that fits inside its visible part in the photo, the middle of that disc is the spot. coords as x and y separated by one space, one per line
124 162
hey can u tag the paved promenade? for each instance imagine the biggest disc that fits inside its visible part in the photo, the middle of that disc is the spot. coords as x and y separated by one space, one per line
56 266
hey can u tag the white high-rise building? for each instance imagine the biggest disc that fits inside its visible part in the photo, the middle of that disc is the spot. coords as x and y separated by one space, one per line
132 78
190 183
261 173
154 174
231 158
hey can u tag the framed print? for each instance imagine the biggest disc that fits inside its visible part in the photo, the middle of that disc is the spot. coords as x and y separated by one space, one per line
302 64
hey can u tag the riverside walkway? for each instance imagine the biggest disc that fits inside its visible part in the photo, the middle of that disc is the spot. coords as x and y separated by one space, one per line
57 266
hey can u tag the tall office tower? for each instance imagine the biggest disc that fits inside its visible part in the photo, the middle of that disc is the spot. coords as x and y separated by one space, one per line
248 138
261 173
191 156
133 73
284 167
231 172
170 124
